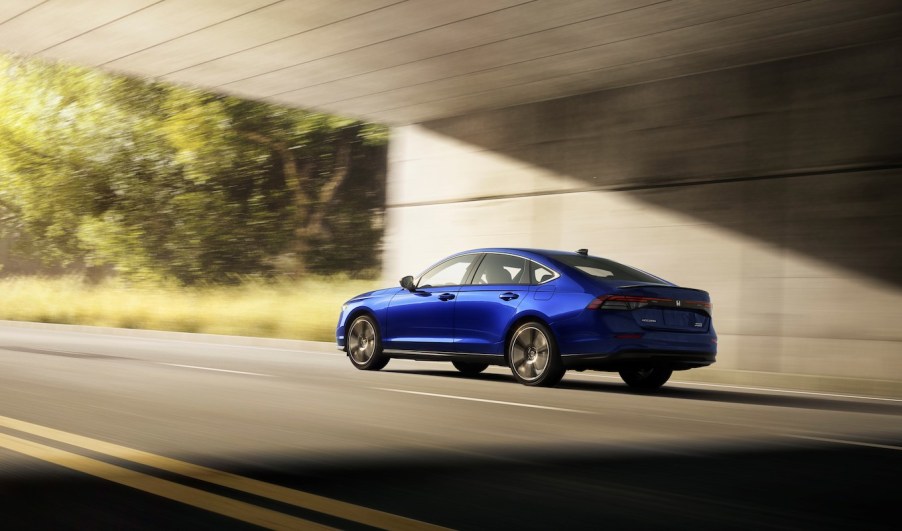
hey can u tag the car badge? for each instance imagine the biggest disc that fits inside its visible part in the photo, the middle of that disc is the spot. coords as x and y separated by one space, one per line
679 303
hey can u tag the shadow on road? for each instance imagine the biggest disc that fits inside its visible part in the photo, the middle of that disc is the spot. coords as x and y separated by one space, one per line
686 393
777 484
744 397
486 376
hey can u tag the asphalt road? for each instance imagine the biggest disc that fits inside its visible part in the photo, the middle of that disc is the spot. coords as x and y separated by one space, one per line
109 432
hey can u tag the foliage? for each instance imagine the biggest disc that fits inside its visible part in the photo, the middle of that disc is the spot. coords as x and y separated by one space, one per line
297 309
158 181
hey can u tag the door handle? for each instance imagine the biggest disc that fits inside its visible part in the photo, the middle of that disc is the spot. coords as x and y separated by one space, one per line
446 296
508 296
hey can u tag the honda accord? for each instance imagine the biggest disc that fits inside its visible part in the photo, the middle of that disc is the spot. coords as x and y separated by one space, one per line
539 312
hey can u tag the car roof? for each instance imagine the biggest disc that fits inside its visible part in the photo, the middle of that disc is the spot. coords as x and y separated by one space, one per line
526 252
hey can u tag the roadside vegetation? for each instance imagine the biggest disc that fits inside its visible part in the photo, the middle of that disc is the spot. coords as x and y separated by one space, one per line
303 309
137 204
145 181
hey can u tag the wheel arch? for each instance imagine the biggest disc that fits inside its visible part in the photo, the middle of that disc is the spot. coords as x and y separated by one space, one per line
520 320
354 314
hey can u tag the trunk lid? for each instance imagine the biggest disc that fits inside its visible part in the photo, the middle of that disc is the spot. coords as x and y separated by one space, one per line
663 306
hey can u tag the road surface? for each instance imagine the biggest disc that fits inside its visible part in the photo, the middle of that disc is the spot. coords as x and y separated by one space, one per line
112 432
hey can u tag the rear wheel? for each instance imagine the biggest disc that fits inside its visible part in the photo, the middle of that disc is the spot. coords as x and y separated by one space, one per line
533 356
646 378
365 345
469 368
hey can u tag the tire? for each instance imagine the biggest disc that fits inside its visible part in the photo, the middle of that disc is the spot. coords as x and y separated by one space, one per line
646 378
364 344
469 368
533 357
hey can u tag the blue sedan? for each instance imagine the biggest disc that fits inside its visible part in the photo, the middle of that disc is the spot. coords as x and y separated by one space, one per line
539 312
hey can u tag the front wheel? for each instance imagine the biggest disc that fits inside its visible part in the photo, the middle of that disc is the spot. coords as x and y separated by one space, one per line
365 345
646 378
533 357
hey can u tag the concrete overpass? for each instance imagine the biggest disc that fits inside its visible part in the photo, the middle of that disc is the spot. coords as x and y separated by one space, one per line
749 147
412 61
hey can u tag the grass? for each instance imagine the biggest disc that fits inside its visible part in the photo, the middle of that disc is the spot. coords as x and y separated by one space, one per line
303 309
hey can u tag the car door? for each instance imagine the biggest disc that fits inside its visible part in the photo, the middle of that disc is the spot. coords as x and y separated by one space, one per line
423 319
486 305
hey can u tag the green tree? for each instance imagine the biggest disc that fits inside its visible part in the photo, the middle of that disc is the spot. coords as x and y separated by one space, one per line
162 181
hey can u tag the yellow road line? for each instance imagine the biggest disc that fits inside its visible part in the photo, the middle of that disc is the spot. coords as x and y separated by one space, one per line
306 500
160 487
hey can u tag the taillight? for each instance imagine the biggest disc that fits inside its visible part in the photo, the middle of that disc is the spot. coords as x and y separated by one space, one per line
624 302
630 302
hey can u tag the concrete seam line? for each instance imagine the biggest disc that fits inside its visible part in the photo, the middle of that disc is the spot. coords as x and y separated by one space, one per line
841 441
700 181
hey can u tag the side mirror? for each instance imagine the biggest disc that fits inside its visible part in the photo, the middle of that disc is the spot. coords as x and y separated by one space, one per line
407 283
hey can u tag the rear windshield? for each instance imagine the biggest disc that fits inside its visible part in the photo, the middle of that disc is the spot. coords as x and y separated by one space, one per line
603 268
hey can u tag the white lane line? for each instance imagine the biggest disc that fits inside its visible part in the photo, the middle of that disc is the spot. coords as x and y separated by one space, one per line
841 441
216 370
226 345
215 344
299 350
455 397
768 389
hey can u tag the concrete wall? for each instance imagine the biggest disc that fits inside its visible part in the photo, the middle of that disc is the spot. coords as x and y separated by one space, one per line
776 186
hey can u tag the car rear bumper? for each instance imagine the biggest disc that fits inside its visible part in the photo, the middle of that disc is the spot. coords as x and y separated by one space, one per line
615 361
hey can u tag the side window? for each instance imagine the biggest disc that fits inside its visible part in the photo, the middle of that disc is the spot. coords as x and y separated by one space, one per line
540 273
448 273
501 269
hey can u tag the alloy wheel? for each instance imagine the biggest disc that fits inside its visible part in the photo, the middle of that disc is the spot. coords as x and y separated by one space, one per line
530 353
362 341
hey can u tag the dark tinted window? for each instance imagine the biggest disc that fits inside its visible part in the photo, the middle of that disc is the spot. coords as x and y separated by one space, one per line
603 268
501 269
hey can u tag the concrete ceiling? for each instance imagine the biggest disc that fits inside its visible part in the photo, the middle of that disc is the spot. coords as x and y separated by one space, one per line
411 61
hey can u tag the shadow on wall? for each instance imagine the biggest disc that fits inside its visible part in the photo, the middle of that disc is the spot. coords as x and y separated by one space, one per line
802 153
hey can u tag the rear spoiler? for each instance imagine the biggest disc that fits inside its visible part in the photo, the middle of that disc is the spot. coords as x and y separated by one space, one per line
659 285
